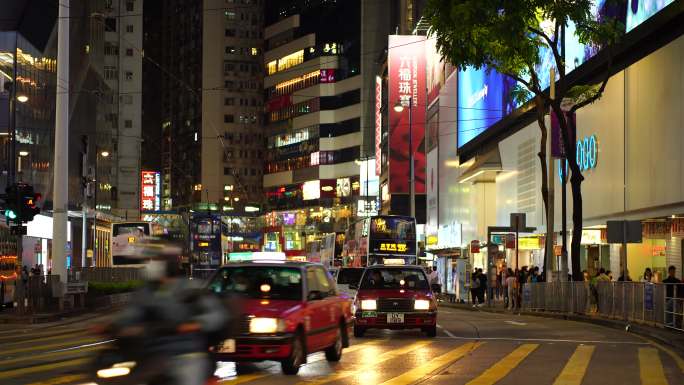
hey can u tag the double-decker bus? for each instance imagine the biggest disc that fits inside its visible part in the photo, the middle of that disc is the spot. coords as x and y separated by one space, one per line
388 239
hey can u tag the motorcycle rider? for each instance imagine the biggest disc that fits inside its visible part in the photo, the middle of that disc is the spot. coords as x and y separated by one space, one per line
176 315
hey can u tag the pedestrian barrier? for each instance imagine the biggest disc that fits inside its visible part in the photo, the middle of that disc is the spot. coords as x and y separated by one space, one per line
201 273
106 274
655 304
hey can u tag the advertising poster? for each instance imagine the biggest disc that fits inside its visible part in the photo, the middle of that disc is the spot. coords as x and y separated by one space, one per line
406 86
639 11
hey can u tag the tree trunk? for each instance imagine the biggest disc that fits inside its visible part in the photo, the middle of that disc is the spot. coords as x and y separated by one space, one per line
541 112
576 179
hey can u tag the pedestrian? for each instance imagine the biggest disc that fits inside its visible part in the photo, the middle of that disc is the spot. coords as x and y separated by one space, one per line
648 275
510 289
623 279
483 287
522 279
433 279
673 291
35 270
474 287
499 284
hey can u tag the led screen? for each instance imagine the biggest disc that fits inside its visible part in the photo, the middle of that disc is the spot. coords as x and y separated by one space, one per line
640 10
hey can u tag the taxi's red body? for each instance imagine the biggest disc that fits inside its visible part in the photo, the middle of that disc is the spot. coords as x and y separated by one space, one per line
395 307
317 322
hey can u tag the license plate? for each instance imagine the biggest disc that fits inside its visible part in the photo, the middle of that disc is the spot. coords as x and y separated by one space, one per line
227 346
395 318
369 314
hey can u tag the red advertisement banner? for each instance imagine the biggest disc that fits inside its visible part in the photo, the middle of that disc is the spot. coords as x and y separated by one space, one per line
407 85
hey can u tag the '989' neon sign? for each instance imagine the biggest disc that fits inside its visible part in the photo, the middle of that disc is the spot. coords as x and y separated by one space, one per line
586 154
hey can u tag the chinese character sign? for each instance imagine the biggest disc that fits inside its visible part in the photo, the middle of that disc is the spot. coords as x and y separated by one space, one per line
150 191
407 85
378 125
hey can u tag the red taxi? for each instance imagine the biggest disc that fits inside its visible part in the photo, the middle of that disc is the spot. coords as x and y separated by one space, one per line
287 310
395 297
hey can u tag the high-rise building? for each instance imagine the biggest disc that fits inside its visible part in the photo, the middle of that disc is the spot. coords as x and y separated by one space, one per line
122 71
212 99
313 115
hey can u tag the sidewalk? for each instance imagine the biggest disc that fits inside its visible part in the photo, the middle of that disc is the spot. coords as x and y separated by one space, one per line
670 338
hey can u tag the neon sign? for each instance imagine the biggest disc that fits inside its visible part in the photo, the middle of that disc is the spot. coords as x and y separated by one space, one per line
586 155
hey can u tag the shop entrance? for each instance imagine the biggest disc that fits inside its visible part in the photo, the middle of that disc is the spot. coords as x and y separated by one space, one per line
593 259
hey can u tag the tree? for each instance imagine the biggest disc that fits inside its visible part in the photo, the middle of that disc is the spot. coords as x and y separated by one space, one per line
509 38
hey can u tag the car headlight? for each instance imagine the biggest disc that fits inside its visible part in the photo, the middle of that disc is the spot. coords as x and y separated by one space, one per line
113 372
369 304
421 304
266 325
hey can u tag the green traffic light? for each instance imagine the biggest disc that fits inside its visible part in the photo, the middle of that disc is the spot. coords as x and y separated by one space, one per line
10 214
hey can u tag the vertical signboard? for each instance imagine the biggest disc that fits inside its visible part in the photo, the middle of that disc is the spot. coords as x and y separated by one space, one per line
150 187
407 85
378 125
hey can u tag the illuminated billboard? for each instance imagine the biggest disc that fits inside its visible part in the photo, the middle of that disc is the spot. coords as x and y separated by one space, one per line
406 85
484 95
150 186
639 11
378 125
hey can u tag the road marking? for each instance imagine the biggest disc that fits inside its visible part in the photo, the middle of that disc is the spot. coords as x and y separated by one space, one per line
244 378
674 355
60 380
574 370
43 339
504 366
42 368
650 367
549 340
367 364
88 340
516 323
32 357
424 369
450 334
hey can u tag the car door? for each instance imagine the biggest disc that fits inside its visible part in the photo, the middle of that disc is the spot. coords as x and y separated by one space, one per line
316 308
331 309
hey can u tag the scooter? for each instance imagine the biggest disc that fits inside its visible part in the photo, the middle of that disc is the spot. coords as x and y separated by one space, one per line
132 360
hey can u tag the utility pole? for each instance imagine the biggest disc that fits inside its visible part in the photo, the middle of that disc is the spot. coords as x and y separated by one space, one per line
61 190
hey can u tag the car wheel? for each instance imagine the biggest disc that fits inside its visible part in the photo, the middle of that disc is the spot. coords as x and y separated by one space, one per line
297 356
359 331
334 352
431 331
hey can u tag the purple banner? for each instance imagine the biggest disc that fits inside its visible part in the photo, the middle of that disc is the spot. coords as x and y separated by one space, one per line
557 147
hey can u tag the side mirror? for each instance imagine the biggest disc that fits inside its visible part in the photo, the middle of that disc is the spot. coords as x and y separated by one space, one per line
354 286
314 295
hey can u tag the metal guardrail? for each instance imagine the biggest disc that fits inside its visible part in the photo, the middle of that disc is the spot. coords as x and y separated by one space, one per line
648 303
106 274
201 273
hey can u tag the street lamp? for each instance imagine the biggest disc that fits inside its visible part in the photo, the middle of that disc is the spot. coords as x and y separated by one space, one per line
22 98
104 154
22 154
399 107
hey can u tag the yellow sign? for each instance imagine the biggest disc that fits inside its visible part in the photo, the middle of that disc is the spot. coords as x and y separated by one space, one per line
398 247
431 240
204 244
531 243
131 239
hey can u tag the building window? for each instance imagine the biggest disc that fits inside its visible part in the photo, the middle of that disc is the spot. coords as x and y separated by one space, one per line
130 6
127 99
255 51
111 49
110 24
129 51
230 32
230 15
129 28
229 101
228 118
227 171
129 75
110 72
128 123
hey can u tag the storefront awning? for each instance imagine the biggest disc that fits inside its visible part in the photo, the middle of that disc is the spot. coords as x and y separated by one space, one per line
484 168
454 252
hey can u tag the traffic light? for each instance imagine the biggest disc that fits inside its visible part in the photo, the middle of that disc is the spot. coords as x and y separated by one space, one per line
11 209
28 200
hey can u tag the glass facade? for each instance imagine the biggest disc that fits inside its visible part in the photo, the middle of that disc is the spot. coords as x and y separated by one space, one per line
27 93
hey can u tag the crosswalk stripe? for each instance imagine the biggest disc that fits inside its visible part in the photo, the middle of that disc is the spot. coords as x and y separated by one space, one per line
244 378
574 370
504 366
367 364
650 367
422 370
42 368
51 346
